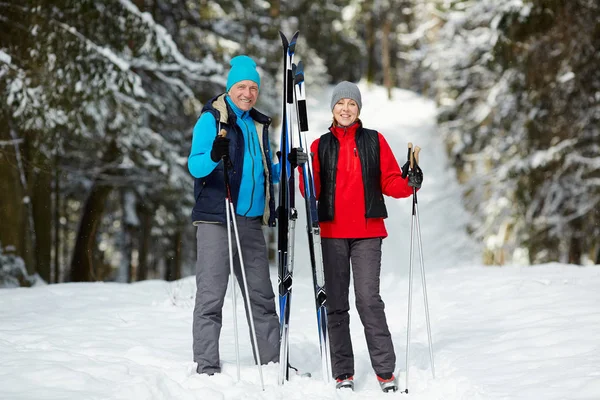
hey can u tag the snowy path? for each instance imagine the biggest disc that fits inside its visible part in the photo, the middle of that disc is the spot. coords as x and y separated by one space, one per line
512 333
498 333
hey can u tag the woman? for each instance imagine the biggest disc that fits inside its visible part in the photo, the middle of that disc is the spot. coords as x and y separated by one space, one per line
353 168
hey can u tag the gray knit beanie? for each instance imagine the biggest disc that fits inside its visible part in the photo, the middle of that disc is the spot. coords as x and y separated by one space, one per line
346 90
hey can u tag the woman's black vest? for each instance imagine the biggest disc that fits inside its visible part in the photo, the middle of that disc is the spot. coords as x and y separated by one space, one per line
367 144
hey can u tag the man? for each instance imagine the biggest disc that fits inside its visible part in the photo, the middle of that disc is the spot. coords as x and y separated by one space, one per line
251 178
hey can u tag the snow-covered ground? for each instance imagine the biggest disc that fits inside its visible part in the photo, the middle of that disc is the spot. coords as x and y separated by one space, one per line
498 333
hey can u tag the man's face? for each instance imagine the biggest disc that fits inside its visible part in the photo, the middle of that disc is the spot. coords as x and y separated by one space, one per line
244 94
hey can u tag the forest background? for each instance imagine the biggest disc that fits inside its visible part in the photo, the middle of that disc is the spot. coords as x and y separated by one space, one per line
98 100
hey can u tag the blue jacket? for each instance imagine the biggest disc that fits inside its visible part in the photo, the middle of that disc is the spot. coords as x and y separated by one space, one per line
252 176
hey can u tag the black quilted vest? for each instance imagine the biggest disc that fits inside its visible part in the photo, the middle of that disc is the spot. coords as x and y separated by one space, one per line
367 144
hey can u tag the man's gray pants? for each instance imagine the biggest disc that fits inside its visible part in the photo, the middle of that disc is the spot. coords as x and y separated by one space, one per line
212 275
365 255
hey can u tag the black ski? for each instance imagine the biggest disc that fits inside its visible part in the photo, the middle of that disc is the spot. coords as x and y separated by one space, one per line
312 224
286 212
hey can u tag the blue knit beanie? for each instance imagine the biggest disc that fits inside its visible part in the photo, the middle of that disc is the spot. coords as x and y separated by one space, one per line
242 68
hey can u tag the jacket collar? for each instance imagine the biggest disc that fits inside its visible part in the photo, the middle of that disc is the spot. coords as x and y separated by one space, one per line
341 132
238 111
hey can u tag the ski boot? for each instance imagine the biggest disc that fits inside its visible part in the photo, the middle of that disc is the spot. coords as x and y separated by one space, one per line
387 382
344 381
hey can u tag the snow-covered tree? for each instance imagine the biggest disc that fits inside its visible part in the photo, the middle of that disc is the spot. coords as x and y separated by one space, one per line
102 90
518 83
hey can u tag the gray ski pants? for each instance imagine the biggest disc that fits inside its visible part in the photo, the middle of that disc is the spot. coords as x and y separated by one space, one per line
365 255
212 274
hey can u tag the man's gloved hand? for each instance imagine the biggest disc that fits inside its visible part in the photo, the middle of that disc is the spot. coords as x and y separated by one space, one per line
220 148
297 157
415 176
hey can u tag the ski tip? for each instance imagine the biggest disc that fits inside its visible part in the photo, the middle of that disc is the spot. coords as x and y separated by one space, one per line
284 40
299 73
292 44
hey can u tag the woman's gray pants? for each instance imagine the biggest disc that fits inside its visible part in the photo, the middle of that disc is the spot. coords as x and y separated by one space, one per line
365 257
212 275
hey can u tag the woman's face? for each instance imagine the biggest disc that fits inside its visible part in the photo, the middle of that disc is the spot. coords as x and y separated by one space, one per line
345 112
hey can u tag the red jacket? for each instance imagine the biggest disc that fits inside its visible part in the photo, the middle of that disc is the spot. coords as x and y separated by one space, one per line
349 219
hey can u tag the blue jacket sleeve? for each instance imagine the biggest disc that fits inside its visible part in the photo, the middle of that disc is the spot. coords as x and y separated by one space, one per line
199 162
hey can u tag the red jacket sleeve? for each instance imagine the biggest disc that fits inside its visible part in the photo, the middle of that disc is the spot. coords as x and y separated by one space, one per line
392 183
316 168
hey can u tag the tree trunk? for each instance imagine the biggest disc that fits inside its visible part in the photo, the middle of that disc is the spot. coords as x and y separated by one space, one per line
275 8
370 32
56 223
575 251
130 227
21 156
385 56
41 201
575 243
35 172
66 246
144 242
15 204
173 270
82 263
12 213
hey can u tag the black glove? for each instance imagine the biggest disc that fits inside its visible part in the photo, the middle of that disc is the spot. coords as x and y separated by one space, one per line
220 148
297 157
405 169
415 176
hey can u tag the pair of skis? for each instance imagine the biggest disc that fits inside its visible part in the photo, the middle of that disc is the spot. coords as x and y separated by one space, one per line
294 103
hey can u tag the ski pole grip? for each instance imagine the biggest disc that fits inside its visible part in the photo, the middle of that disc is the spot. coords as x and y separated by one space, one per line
410 154
417 150
226 159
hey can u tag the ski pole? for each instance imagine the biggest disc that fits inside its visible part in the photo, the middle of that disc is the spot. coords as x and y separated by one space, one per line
226 161
231 220
423 280
413 160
